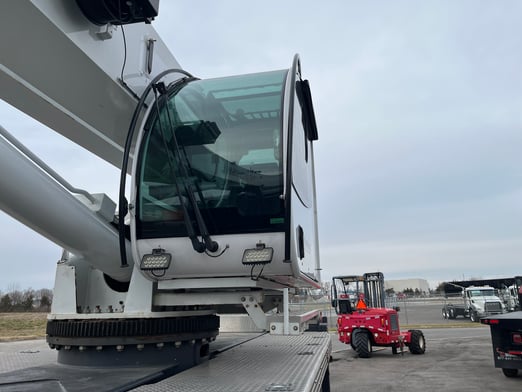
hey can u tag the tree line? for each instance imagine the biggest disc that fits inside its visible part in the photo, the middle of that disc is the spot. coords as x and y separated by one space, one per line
28 300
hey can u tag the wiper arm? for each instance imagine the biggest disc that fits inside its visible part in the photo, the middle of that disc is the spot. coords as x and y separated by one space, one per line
197 245
210 245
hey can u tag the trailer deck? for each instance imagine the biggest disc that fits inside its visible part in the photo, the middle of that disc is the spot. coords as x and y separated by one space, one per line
238 362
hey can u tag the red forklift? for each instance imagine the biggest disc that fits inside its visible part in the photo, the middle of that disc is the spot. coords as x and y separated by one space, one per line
363 320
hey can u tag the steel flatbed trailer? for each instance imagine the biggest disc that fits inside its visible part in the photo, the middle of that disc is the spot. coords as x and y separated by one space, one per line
238 362
506 337
267 363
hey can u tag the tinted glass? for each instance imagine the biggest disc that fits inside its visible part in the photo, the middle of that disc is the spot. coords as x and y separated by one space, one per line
219 140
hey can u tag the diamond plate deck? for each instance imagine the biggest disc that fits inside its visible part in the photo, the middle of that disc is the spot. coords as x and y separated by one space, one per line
267 363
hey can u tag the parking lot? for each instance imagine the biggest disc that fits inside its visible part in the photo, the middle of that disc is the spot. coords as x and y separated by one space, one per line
458 358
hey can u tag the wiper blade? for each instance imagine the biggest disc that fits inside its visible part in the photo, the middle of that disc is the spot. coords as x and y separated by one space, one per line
209 244
197 245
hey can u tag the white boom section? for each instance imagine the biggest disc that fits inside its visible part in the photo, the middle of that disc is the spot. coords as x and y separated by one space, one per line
35 199
55 67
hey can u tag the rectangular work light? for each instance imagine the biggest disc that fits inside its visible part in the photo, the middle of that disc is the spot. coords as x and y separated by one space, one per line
259 255
157 260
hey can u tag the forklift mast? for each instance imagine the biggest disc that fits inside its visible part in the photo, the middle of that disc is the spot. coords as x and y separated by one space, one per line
374 289
347 289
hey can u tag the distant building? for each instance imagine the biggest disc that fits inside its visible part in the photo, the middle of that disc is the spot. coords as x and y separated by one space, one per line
399 285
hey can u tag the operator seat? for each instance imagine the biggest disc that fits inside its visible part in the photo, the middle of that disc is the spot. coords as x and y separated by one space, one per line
345 306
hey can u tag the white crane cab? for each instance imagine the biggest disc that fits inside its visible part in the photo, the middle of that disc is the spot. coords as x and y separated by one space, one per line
223 184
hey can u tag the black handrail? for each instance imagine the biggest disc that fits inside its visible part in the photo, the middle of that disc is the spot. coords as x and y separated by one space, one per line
122 202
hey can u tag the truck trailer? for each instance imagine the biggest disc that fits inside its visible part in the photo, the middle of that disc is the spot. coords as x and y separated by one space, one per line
506 339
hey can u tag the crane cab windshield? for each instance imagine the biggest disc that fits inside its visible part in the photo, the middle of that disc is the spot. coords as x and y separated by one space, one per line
219 140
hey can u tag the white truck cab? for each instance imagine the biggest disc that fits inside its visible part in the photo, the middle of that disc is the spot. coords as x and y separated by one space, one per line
482 301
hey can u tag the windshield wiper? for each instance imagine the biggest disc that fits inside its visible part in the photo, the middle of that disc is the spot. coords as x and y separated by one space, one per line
197 245
208 243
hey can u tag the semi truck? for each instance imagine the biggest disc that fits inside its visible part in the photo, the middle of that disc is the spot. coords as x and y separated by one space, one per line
219 217
510 293
470 301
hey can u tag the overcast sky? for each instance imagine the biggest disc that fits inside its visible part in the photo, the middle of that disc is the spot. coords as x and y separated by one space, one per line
419 111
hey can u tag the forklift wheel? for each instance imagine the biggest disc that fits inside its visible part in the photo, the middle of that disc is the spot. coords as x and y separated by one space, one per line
417 342
362 344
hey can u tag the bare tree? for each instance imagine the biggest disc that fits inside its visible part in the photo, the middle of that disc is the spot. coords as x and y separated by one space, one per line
43 300
16 300
28 300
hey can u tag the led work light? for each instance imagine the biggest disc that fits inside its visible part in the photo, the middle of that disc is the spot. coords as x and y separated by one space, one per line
259 255
157 260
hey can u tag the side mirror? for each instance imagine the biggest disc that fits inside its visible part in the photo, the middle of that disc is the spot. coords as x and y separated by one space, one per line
334 303
397 308
304 96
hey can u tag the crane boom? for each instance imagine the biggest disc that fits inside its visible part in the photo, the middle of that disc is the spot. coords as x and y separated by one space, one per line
64 215
66 72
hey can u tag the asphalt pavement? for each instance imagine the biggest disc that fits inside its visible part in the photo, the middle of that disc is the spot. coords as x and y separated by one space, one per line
459 357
